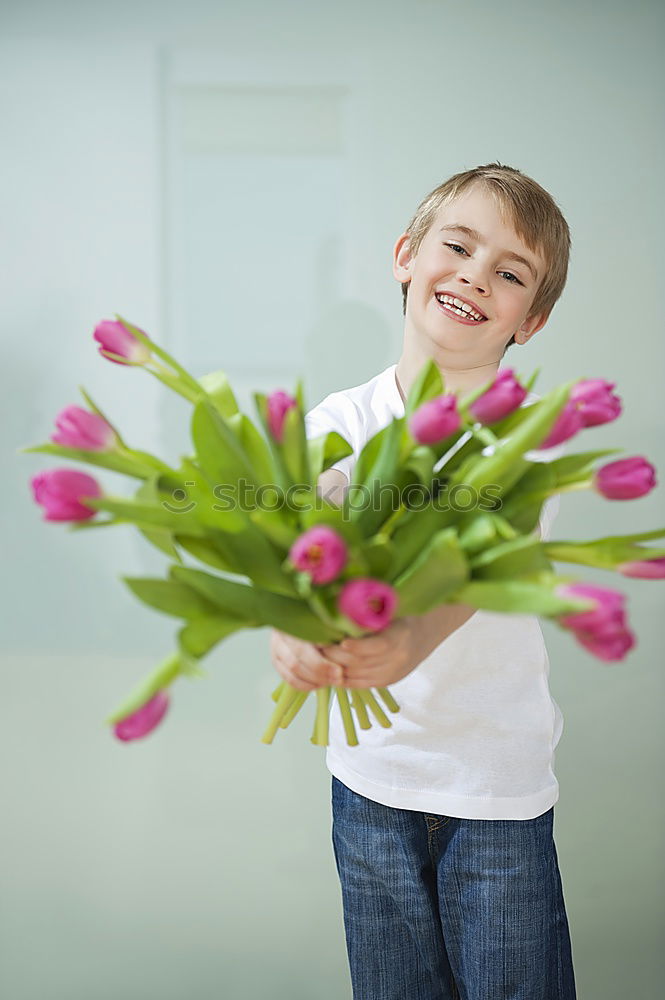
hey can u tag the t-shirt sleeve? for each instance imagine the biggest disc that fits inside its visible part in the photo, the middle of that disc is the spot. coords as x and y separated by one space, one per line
335 414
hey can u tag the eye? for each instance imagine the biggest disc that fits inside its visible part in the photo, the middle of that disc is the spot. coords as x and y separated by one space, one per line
513 276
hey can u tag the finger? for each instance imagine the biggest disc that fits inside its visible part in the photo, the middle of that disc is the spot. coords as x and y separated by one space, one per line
367 646
315 669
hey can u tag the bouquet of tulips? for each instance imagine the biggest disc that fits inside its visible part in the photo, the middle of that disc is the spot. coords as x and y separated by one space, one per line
443 506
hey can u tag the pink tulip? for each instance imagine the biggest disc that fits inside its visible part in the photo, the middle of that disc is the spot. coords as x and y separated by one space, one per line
117 339
144 720
644 569
78 428
503 396
435 420
595 401
602 629
567 424
279 403
609 606
60 492
321 552
625 479
607 644
368 602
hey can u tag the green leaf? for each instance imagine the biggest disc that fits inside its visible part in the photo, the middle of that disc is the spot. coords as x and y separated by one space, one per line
412 534
200 635
604 553
284 478
474 394
140 465
576 468
421 461
478 534
519 597
376 483
517 557
219 452
170 597
161 538
379 552
205 551
427 385
145 515
159 679
281 531
325 450
256 448
506 466
187 491
218 388
258 607
294 441
437 572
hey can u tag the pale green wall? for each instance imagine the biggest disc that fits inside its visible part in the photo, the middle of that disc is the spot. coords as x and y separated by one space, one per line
198 863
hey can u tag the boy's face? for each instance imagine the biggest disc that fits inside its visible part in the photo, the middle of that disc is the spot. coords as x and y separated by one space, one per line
478 269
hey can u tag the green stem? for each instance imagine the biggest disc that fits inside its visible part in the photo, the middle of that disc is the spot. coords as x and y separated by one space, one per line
317 605
320 734
584 484
360 709
296 705
175 383
347 718
284 702
374 707
484 435
388 699
278 690
155 349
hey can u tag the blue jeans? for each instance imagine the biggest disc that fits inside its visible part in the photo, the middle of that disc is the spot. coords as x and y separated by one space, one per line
442 908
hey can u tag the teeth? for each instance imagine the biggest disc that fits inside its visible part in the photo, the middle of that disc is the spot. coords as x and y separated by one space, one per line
463 308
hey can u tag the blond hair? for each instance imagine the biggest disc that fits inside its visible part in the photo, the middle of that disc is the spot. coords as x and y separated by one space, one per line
535 217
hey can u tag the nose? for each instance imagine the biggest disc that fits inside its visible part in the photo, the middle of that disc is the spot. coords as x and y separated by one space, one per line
473 273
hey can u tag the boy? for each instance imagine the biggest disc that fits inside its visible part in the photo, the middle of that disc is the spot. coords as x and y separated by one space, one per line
443 824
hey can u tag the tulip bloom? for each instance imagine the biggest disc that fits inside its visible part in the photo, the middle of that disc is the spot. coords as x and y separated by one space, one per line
626 479
644 569
60 492
279 403
603 629
567 424
114 337
368 602
321 552
143 721
503 396
435 420
595 401
78 428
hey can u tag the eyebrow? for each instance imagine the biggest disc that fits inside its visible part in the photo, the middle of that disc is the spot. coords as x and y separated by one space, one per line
478 238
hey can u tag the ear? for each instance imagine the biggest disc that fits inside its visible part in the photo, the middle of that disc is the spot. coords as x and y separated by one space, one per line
531 326
402 258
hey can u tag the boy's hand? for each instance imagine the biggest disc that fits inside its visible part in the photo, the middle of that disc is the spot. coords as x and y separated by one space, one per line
301 663
373 661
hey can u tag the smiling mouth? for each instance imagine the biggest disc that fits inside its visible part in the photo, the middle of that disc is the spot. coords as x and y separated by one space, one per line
459 310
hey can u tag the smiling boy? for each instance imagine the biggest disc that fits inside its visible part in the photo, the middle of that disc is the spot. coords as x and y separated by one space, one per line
443 824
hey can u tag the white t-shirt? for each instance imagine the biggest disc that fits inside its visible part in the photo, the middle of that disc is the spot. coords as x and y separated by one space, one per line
477 726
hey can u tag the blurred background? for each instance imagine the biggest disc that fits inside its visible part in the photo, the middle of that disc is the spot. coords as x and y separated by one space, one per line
232 178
